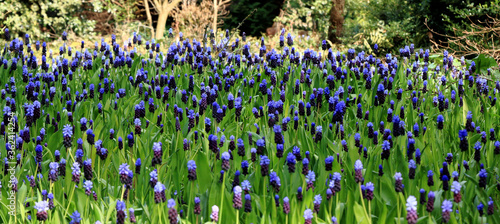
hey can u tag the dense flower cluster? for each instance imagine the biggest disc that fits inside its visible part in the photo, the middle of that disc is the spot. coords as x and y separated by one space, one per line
347 121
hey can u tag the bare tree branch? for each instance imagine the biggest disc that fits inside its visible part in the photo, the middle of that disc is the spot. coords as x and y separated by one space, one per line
465 42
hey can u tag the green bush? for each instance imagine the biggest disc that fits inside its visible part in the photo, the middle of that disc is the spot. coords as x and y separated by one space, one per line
256 24
42 19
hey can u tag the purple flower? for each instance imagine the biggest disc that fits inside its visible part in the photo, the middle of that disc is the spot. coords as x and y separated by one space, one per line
245 185
310 178
191 165
358 165
308 215
411 208
456 187
411 203
75 218
41 206
121 212
171 203
215 213
87 185
334 219
446 206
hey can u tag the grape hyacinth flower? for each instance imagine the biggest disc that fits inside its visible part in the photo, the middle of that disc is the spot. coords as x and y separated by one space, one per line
215 213
464 144
308 215
245 185
310 178
50 196
87 185
440 122
278 135
264 165
358 169
411 208
75 218
244 167
191 170
337 178
53 171
42 207
386 150
132 215
399 182
237 203
317 203
225 161
483 175
76 172
477 151
299 194
286 205
305 166
422 196
334 220
172 213
157 153
125 173
328 163
159 193
62 168
275 181
87 169
261 146
197 208
319 134
67 134
241 147
430 201
120 143
491 207
446 210
138 165
412 166
430 178
455 188
369 190
121 212
130 140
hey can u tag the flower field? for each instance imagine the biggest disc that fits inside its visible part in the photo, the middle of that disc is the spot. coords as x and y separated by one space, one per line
209 131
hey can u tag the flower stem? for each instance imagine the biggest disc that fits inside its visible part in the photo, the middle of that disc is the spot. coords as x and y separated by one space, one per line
237 216
222 195
159 213
363 202
399 212
190 199
369 208
69 202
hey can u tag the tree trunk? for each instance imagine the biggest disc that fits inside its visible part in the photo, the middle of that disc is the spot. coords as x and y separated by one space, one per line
162 21
336 21
163 10
150 20
214 26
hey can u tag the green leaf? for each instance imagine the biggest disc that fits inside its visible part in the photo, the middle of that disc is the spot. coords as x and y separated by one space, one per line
360 214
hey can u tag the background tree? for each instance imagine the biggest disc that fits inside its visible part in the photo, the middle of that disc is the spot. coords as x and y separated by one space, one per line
216 6
163 8
260 20
336 21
